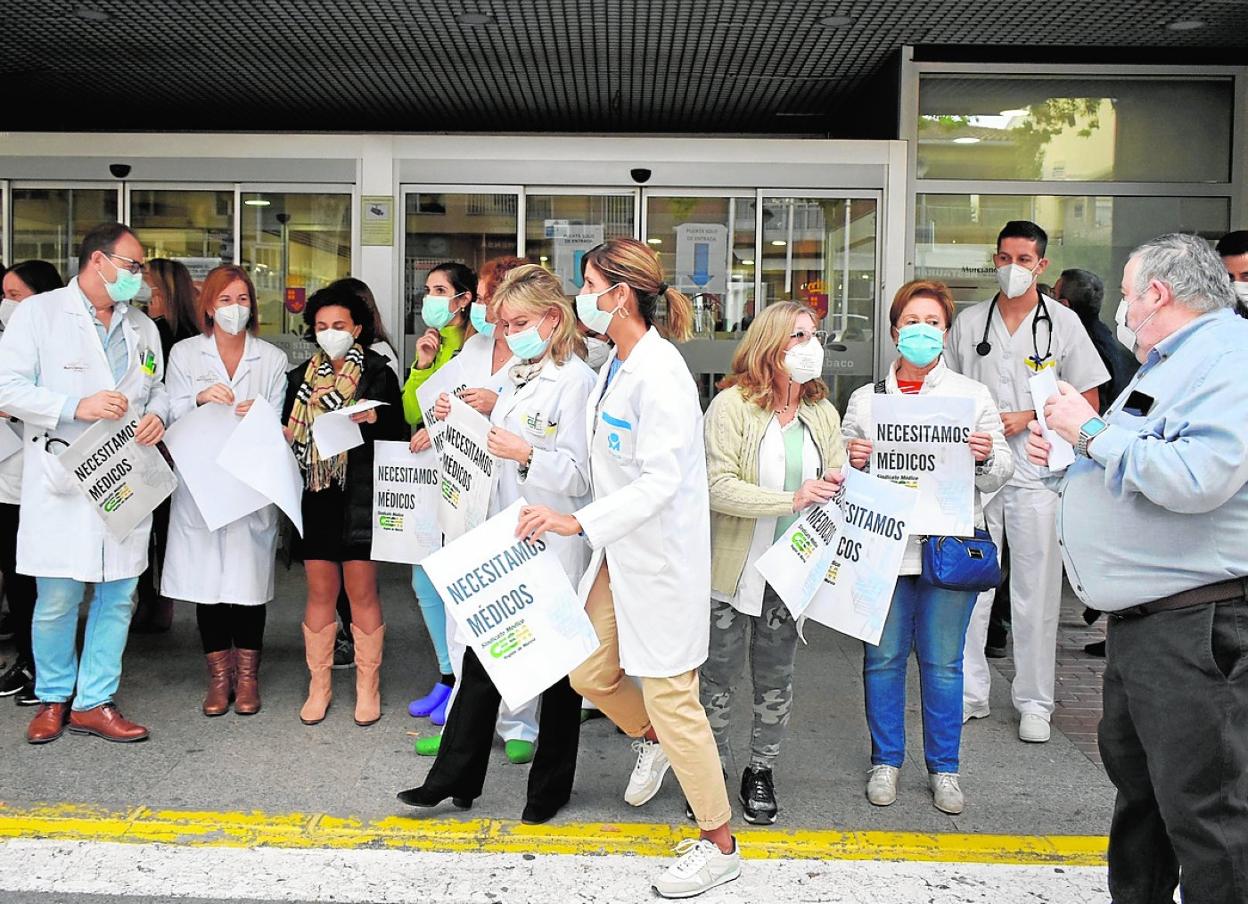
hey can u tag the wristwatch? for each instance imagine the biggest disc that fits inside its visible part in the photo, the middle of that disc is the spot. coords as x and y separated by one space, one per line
1092 428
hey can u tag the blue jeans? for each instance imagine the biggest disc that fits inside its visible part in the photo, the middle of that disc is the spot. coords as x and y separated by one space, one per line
55 632
932 622
434 613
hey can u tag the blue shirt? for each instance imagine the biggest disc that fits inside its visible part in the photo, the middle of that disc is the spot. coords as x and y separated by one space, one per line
1162 505
113 339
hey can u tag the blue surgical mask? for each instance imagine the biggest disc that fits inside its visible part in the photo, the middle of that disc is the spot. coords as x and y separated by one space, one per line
477 315
595 319
124 287
435 310
528 344
920 343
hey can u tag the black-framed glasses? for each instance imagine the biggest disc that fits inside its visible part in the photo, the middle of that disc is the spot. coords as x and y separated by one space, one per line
802 336
135 267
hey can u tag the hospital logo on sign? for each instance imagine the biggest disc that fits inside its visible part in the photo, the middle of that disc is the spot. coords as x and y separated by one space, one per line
390 521
115 501
515 639
450 493
803 544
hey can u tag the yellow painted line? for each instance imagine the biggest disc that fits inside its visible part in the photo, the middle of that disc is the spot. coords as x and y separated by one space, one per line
299 830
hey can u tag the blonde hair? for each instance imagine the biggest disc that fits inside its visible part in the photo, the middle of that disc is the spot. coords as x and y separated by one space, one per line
636 265
535 290
760 356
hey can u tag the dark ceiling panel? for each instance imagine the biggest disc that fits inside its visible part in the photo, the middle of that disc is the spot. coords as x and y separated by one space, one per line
678 66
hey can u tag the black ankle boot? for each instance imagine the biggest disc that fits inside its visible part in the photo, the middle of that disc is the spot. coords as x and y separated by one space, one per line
427 797
758 796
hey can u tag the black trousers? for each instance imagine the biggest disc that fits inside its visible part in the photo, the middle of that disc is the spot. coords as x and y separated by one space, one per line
1174 739
225 625
464 755
19 589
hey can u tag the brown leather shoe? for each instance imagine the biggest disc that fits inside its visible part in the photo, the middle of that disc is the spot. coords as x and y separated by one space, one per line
104 721
247 689
48 723
220 676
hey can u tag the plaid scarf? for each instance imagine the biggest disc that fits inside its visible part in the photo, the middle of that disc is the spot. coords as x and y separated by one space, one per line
323 391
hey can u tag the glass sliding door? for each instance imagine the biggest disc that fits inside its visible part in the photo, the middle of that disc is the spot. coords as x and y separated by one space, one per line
193 226
560 228
48 223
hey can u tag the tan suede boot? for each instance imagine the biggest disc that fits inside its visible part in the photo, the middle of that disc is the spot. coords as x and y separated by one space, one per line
247 688
220 673
368 674
319 649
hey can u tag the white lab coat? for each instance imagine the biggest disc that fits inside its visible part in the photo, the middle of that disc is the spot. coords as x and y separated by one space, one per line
477 358
49 353
233 564
548 412
650 516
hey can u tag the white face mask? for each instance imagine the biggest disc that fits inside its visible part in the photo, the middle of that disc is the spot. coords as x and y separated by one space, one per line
1014 280
1126 335
232 318
335 343
7 307
597 351
1239 288
804 362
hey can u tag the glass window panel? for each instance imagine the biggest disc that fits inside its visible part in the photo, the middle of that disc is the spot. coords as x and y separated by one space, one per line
49 223
1075 129
560 228
822 252
292 245
956 234
193 226
467 228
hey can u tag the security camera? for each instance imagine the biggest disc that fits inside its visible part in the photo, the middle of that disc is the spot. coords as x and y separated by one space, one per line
640 175
119 170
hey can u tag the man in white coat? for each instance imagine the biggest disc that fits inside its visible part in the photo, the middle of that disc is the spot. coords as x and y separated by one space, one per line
67 359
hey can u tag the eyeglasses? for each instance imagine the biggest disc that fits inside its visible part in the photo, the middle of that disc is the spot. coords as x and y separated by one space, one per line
135 267
820 336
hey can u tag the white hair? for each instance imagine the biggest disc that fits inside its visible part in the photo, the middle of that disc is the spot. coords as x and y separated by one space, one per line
1189 266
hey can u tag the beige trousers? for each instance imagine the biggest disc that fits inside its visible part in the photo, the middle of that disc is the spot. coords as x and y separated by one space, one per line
670 705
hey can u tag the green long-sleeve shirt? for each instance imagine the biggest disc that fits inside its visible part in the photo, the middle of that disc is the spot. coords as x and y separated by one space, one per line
452 341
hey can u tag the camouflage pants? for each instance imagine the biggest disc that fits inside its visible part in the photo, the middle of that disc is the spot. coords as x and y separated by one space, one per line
772 645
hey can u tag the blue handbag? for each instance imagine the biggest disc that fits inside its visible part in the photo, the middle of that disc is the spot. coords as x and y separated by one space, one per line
961 563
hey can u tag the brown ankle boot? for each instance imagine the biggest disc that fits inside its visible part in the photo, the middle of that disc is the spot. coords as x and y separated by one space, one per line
319 650
368 674
220 673
247 688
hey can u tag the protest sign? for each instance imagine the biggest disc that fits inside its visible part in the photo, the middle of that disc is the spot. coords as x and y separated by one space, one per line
467 470
1043 387
334 432
123 481
920 441
406 492
10 439
514 605
838 563
449 378
194 441
257 454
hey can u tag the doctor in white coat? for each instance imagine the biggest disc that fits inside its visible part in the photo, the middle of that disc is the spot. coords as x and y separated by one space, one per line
227 572
648 586
67 359
539 439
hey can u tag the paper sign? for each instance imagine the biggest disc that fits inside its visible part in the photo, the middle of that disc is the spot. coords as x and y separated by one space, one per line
449 378
257 454
467 470
10 440
406 491
702 258
920 441
855 543
194 441
570 246
514 604
123 481
334 432
1044 387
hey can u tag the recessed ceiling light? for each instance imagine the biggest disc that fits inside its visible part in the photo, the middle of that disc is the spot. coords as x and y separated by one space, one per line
655 241
257 202
475 20
91 15
779 243
748 263
837 21
801 114
1019 112
1186 25
966 140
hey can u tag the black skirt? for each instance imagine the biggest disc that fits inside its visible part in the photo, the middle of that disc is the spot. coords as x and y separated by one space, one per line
324 527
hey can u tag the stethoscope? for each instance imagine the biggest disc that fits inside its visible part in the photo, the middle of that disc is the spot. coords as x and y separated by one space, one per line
984 348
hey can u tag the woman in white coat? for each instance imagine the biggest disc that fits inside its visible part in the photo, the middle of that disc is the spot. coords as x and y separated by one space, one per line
648 586
227 572
538 436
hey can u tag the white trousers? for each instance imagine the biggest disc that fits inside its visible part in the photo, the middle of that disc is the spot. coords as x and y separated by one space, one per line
513 724
1026 517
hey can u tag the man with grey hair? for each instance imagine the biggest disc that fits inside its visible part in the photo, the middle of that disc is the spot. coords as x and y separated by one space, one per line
1153 521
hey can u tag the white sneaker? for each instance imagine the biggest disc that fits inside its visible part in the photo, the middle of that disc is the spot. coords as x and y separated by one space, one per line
882 785
946 793
647 778
1033 729
974 712
700 867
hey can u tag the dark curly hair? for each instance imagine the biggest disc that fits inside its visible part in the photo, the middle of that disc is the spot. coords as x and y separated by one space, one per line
336 295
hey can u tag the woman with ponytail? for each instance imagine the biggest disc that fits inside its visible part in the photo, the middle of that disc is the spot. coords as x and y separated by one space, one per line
648 586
